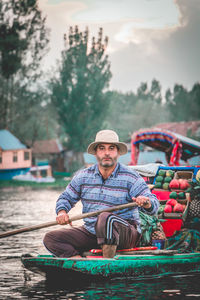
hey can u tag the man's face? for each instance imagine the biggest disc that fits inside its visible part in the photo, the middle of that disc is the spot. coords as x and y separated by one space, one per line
107 155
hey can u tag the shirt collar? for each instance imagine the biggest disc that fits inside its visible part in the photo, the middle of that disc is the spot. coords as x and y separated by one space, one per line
114 173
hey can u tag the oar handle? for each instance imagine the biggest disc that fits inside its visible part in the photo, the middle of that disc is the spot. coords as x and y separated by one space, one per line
25 229
97 212
75 218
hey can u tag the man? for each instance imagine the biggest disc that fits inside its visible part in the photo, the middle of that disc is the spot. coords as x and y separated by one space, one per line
106 184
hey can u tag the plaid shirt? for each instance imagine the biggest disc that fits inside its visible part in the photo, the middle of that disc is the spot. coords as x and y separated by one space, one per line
96 193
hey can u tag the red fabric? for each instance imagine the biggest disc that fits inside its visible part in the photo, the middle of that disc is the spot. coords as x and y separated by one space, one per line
161 195
171 225
176 154
94 251
94 256
134 153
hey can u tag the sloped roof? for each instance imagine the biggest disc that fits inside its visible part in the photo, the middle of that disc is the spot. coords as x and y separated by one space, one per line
9 142
47 147
180 127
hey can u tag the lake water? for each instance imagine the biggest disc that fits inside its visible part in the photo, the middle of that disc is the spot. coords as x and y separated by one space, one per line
25 208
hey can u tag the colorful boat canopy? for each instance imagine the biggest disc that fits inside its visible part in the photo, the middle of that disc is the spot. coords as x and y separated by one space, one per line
174 145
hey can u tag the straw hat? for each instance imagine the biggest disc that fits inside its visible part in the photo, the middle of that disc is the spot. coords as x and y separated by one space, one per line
107 137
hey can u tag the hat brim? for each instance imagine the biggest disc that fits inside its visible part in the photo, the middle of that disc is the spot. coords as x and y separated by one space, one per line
123 149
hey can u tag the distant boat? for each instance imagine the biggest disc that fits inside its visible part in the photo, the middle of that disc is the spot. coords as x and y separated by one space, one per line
37 174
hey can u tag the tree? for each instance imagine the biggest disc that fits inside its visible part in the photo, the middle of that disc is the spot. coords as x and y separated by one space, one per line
79 92
154 94
149 109
156 91
120 115
23 37
194 99
140 110
35 118
23 43
183 105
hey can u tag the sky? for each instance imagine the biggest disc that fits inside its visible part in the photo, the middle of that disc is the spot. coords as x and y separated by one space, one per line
148 39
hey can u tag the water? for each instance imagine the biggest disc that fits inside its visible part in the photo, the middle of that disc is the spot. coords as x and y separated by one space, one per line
25 208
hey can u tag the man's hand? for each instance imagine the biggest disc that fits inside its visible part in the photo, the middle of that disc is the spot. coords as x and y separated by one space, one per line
62 217
142 201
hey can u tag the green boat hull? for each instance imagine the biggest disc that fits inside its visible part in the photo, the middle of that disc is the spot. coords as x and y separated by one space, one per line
134 266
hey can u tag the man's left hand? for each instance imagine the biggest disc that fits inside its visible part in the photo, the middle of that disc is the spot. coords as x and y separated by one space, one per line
142 201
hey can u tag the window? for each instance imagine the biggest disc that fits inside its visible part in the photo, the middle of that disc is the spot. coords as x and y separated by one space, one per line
14 156
43 173
26 155
0 157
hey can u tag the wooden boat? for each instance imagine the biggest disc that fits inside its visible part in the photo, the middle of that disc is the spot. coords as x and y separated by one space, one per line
134 264
141 264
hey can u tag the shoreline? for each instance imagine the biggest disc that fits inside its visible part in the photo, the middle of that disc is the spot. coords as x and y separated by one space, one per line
12 185
28 188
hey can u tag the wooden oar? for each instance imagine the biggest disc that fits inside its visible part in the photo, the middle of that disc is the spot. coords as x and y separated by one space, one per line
75 218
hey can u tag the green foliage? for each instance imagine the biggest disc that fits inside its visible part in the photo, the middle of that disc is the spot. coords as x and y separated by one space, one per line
79 92
153 94
183 105
23 43
23 37
141 110
37 114
119 116
146 108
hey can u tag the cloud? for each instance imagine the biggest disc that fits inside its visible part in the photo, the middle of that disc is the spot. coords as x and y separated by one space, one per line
147 38
170 55
59 17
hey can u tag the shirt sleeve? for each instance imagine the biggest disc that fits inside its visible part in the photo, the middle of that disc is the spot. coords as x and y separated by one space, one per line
140 188
70 196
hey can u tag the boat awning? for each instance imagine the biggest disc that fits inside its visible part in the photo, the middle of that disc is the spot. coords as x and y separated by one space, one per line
174 145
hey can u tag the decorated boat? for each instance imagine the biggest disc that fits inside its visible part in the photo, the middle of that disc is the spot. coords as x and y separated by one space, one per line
177 148
141 264
181 251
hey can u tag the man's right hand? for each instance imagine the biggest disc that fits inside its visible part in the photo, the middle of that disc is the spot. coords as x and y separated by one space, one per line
62 217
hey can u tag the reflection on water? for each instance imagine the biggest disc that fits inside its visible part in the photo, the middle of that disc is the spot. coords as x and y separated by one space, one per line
22 209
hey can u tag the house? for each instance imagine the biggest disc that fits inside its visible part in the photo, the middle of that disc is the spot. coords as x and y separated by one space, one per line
15 157
48 152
